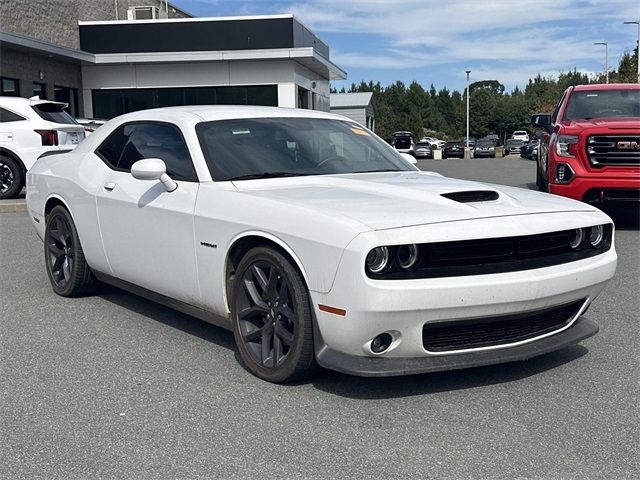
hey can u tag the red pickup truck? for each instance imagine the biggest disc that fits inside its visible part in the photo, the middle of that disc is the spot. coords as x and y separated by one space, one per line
590 145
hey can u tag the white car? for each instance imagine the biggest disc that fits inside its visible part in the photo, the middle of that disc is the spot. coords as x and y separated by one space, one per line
29 128
316 243
520 135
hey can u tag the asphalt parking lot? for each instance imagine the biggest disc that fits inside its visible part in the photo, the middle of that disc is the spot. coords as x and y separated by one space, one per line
115 386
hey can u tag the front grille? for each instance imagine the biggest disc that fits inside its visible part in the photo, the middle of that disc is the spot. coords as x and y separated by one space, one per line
500 330
613 150
472 196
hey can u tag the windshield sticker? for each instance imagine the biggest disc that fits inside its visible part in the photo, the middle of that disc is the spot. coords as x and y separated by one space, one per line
240 131
359 131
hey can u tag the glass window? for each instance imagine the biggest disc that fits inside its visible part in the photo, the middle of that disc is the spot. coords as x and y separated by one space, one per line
603 103
40 90
7 116
9 87
107 103
159 140
69 96
255 148
111 149
53 112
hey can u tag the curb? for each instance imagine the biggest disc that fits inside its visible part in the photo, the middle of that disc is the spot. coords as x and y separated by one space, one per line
13 206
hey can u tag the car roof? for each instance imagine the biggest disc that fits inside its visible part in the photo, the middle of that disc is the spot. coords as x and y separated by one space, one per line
607 86
228 112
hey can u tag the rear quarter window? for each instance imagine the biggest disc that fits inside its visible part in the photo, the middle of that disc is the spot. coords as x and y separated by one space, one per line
7 116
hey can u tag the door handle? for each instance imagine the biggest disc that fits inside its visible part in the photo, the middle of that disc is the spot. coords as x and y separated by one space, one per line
109 186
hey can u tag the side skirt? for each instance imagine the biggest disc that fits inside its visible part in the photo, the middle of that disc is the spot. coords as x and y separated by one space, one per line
182 307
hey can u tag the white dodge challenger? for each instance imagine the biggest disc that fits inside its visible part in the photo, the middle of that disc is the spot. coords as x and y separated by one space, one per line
317 243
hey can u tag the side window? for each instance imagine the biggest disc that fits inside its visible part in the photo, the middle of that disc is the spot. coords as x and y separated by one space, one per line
163 141
111 149
7 116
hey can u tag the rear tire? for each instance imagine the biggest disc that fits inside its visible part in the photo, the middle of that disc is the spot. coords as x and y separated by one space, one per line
67 268
11 177
271 316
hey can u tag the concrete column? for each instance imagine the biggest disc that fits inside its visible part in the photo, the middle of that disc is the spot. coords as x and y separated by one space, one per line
287 95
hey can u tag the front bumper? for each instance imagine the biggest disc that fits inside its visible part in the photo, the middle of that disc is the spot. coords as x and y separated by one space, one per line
388 367
580 188
402 308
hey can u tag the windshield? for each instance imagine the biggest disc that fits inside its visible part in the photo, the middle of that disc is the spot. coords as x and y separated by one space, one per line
485 143
515 142
603 103
279 147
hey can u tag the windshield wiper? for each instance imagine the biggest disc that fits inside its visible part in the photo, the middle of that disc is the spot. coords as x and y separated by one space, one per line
253 176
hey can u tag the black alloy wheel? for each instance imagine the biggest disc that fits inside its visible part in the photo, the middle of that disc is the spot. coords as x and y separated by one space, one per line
272 317
11 177
67 268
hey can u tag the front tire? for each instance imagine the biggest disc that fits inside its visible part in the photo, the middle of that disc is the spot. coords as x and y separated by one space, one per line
271 315
67 268
11 177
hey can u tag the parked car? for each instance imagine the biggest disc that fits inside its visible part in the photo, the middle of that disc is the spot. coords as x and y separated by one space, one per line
484 148
512 146
90 124
495 139
403 142
454 149
435 142
316 243
29 128
423 150
530 150
472 142
520 135
590 147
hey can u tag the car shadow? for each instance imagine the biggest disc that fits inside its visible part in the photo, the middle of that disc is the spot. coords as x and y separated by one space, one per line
350 386
168 316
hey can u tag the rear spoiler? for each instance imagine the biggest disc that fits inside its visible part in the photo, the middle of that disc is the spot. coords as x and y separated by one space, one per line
35 100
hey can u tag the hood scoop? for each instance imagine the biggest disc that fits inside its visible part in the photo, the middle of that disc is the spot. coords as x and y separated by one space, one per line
471 196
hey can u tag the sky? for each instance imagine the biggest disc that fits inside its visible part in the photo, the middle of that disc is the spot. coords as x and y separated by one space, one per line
434 42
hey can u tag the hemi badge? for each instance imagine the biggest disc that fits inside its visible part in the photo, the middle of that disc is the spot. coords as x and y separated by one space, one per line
336 311
36 220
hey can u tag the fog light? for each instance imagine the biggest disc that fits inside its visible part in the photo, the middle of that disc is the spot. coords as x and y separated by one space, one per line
408 256
576 237
564 173
596 237
381 343
378 259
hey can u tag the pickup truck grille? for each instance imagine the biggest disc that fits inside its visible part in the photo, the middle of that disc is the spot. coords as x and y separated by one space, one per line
613 150
501 330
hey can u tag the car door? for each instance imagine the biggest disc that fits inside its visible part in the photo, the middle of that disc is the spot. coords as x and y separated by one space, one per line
147 232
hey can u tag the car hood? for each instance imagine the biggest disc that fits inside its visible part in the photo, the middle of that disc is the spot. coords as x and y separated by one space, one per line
612 123
400 199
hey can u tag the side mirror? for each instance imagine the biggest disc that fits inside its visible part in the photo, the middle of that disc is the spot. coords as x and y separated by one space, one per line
153 169
409 158
541 120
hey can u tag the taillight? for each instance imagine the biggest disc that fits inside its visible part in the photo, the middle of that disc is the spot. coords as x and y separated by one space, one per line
49 137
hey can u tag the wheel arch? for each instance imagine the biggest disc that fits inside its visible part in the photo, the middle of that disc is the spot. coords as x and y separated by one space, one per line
241 244
13 155
53 201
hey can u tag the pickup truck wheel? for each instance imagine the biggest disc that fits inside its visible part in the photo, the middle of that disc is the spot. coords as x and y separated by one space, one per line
11 177
271 316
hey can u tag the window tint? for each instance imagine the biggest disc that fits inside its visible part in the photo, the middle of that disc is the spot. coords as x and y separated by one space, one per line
159 141
112 147
53 112
7 116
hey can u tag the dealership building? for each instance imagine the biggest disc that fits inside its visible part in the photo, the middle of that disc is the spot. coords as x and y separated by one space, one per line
106 57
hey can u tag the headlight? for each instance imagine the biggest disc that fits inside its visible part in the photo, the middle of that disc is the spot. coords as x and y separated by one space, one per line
408 256
596 237
378 259
566 145
575 238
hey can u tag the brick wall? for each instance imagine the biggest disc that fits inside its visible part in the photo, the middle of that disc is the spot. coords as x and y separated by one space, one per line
56 21
27 68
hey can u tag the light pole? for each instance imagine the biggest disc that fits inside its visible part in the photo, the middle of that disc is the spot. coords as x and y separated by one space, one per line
606 58
637 22
467 149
